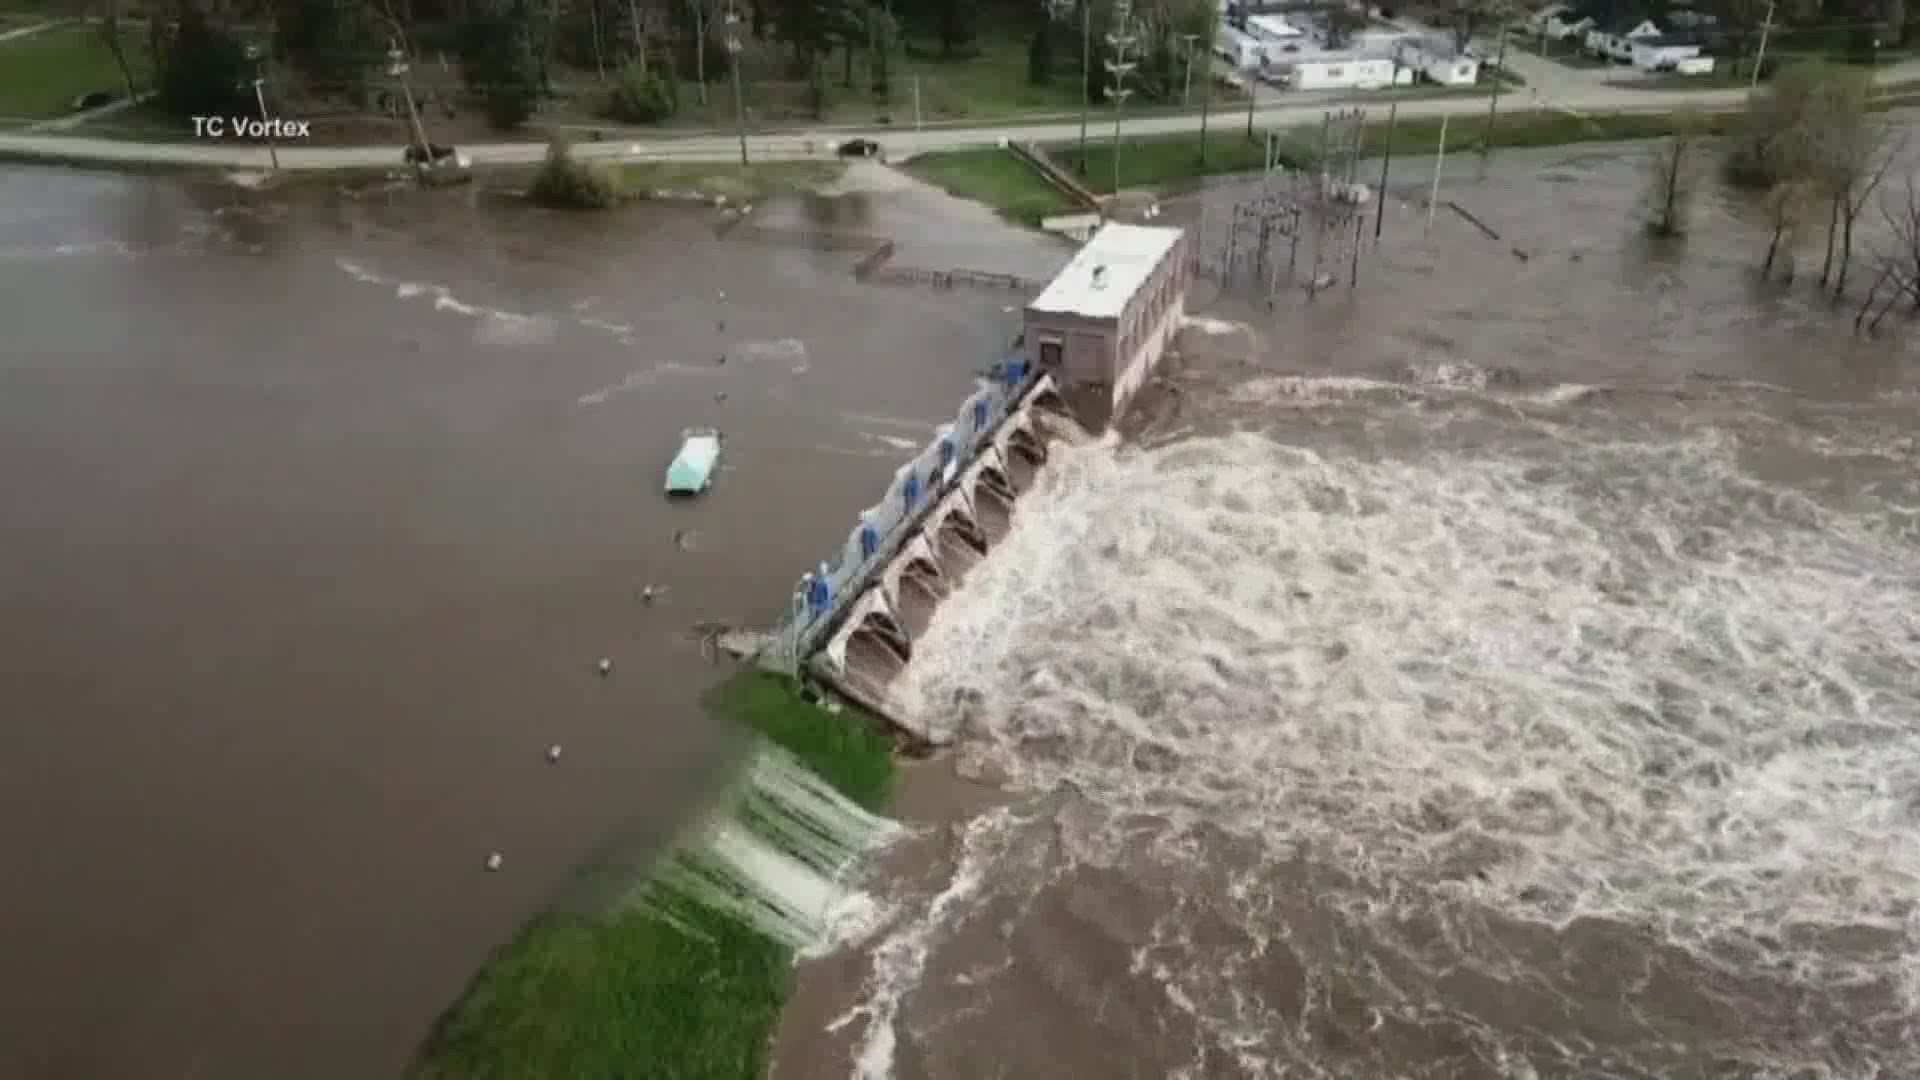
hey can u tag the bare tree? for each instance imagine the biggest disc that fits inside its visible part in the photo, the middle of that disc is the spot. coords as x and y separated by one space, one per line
702 12
110 31
1673 178
1899 260
1789 207
1852 151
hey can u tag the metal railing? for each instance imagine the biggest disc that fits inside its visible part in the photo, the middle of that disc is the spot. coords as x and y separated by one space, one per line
881 530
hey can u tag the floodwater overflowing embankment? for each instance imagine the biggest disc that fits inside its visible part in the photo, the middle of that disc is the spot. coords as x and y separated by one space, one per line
320 512
1505 670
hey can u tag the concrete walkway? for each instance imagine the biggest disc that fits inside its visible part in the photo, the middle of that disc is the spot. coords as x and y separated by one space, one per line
29 31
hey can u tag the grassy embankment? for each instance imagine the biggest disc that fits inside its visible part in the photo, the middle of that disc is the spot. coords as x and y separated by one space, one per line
41 74
628 994
1167 164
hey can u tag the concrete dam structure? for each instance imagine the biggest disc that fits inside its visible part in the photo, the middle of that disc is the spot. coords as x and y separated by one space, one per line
1091 339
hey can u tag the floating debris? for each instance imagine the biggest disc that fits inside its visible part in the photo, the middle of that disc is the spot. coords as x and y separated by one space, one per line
719 395
553 752
495 861
606 666
685 539
650 593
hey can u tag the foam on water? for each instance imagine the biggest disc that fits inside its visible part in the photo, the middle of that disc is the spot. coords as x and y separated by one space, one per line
1632 680
778 857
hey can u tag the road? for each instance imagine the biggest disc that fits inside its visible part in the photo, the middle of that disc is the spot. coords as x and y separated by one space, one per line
793 145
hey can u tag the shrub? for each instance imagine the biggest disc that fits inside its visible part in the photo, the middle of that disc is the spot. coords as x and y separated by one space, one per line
566 183
641 97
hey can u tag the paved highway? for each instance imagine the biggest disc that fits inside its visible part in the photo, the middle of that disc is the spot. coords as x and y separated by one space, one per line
793 145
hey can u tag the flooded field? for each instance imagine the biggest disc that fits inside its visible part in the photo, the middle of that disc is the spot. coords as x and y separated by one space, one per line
1507 669
320 514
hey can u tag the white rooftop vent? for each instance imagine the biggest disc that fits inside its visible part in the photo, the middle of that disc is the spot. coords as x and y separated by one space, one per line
1100 276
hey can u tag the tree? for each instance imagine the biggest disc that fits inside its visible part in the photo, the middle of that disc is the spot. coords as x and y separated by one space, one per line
1673 178
701 13
206 71
1789 208
110 33
1857 151
641 97
327 42
1342 22
1783 125
497 62
1040 57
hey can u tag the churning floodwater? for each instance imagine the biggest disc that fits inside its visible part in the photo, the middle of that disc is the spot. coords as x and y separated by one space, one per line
1438 686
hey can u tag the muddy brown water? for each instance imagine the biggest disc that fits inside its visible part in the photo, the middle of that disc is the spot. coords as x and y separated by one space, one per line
1320 708
318 513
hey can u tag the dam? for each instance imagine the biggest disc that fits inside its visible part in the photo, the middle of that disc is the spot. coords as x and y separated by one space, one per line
1089 341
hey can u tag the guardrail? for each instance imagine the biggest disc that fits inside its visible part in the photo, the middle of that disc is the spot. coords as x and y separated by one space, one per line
882 529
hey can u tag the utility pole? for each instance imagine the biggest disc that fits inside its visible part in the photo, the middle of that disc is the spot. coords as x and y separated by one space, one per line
1206 106
1386 162
1760 58
1186 92
916 104
1499 76
260 97
1086 76
397 68
1439 155
734 50
1253 82
1121 42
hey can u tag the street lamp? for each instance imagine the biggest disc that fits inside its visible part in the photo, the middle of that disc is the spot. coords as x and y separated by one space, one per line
260 98
734 49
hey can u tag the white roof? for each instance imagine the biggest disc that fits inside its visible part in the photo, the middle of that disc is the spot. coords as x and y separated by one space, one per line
1273 26
1126 254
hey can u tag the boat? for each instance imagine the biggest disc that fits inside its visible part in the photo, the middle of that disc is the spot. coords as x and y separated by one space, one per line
692 470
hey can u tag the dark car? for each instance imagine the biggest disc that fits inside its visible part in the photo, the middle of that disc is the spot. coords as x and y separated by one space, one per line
859 148
95 100
433 152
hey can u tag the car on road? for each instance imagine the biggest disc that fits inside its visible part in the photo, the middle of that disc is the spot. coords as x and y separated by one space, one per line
861 148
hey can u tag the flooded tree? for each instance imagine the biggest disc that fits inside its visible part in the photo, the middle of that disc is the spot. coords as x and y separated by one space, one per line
1899 261
1783 124
1855 150
1673 178
1789 208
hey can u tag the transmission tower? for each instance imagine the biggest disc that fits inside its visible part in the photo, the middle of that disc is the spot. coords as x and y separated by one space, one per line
1120 41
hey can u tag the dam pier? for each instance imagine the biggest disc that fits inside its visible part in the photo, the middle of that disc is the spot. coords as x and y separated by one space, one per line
1090 340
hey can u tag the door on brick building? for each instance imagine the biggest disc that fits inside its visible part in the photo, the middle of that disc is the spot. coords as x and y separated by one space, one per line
1051 354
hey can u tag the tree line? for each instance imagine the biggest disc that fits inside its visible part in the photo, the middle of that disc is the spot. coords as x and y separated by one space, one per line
647 57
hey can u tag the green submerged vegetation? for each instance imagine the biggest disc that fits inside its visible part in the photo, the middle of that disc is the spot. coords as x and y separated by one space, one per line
678 994
566 182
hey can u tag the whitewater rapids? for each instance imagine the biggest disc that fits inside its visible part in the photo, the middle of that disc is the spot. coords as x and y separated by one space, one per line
1438 727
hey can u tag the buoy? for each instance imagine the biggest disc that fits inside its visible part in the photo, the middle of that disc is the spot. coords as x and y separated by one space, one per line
720 395
495 861
553 752
606 666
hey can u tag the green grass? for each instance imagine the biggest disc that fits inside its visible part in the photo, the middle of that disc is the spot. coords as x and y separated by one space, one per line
41 74
631 996
994 177
1172 162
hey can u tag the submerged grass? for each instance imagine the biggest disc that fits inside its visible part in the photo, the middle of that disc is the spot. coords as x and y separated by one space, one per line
681 993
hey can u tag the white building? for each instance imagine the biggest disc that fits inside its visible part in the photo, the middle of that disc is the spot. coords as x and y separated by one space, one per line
1616 42
1437 61
1347 73
1567 25
1240 50
1104 322
1665 53
1273 28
